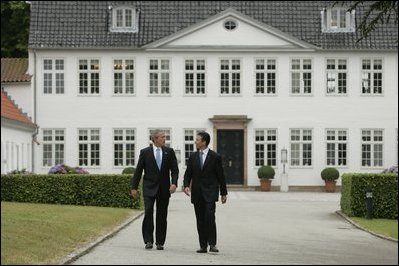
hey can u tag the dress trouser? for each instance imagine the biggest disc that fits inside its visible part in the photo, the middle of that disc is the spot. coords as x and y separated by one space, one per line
161 219
206 224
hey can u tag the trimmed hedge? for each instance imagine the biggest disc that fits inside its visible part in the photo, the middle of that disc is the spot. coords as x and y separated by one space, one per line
89 189
385 194
266 172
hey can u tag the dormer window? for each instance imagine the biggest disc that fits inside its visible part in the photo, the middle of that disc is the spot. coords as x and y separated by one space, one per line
124 19
337 20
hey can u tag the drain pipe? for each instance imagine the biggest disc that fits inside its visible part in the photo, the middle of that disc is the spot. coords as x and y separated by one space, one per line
34 135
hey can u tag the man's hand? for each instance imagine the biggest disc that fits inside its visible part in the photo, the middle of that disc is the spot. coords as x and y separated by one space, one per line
223 199
187 191
172 188
135 194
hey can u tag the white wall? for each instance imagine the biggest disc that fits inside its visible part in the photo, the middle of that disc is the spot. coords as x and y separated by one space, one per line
16 151
178 112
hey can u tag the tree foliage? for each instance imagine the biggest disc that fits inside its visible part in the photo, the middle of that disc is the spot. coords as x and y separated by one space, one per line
375 13
14 28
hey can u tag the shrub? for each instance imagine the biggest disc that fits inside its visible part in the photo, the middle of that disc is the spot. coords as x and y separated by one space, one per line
20 172
266 172
128 170
330 174
392 169
65 169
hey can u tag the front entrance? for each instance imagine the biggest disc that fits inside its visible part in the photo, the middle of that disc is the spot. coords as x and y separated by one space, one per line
230 145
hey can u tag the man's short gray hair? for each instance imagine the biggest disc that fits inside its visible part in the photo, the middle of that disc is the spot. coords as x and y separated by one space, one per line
155 133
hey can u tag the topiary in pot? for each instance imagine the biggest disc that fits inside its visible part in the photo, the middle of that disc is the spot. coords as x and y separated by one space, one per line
265 174
330 176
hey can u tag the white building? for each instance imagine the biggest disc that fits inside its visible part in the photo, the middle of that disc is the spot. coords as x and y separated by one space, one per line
258 76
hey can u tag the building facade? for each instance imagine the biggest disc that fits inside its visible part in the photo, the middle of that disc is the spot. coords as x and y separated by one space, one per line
260 77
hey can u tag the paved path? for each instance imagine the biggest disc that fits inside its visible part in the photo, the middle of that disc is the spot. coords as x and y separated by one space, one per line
254 228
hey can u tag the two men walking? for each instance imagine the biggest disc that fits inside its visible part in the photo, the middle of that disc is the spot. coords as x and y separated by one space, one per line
204 178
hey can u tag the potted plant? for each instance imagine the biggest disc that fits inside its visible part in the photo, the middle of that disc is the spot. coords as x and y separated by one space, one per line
330 176
266 174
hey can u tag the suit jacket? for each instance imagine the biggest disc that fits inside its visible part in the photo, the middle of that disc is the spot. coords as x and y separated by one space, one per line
206 182
155 180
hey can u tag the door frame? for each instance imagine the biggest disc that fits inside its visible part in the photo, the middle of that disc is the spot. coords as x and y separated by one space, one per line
235 122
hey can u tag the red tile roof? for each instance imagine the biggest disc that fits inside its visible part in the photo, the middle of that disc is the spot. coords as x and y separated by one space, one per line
10 110
14 70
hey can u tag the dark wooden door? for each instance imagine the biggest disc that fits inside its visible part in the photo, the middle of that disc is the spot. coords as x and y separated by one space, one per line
230 145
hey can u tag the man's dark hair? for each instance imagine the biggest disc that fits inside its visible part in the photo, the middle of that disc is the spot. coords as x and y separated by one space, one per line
205 137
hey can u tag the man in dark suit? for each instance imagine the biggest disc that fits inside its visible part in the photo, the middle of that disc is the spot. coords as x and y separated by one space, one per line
204 174
159 164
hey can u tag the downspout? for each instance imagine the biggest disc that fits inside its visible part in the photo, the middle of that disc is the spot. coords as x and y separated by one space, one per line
34 135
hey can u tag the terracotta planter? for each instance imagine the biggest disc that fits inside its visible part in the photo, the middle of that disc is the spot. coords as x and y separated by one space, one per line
265 184
330 186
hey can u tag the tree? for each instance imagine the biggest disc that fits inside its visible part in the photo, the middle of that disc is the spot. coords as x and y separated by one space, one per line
375 13
14 28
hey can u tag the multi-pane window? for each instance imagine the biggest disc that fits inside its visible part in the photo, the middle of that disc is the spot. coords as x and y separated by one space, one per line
372 147
230 76
265 73
89 76
337 76
167 135
89 147
266 147
124 143
159 77
53 76
372 76
189 142
124 19
53 147
338 20
194 77
301 147
337 145
124 76
301 76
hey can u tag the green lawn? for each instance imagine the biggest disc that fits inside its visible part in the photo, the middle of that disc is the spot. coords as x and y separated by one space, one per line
44 234
380 226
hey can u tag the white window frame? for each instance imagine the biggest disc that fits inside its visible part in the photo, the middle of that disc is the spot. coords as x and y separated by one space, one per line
53 143
121 68
160 78
372 144
326 20
195 72
55 78
336 143
124 142
372 71
89 71
301 72
265 71
336 71
301 142
266 133
89 142
230 72
124 28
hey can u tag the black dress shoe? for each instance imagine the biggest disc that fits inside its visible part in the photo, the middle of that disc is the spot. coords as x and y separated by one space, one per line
148 245
202 250
159 247
213 249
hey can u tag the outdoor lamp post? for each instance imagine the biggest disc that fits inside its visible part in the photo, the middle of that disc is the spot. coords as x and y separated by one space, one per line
284 176
369 204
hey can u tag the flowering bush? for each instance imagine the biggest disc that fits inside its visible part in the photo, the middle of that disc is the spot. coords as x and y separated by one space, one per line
65 169
392 169
19 172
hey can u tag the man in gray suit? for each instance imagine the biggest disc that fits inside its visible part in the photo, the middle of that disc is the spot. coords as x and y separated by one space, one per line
204 174
160 165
